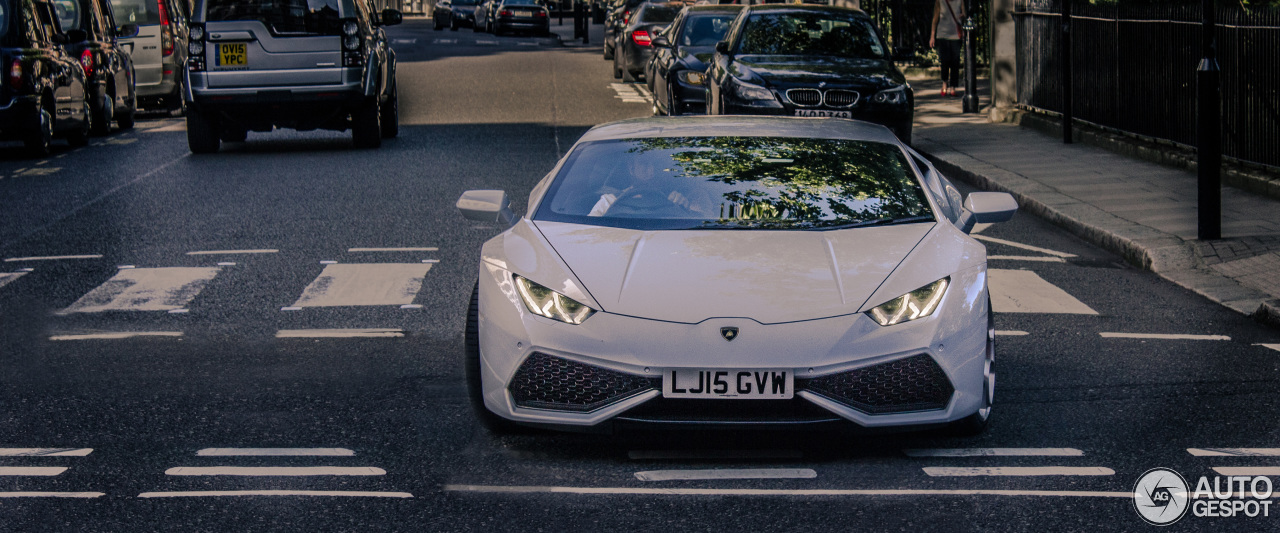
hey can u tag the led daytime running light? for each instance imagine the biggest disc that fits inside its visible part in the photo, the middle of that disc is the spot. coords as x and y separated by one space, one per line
910 306
547 303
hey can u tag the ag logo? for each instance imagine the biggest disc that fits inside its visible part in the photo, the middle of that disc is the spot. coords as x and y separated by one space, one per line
1160 496
729 333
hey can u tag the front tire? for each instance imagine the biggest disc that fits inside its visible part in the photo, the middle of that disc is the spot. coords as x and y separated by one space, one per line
126 119
976 423
366 130
391 115
202 133
617 66
103 114
471 367
41 135
80 137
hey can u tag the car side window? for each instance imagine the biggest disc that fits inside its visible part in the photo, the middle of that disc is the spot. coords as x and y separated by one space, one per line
48 22
31 24
946 196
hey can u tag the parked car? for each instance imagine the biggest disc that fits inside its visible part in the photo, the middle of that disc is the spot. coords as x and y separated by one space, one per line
159 50
758 271
454 14
43 94
483 15
520 15
677 72
635 42
108 67
619 13
253 68
809 61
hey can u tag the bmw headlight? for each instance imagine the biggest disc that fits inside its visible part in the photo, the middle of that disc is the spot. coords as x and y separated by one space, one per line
692 77
896 95
910 306
545 302
747 91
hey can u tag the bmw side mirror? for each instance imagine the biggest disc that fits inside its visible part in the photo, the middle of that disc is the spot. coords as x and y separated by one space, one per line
391 17
127 31
661 42
487 206
722 47
987 208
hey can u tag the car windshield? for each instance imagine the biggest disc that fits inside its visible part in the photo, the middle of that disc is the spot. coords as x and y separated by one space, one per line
68 14
735 183
140 12
705 30
302 17
815 33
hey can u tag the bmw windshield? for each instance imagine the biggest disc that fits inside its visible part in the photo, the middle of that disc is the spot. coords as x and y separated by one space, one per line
735 183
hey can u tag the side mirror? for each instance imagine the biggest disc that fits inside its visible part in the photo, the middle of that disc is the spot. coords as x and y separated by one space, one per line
391 17
987 208
77 36
60 39
127 31
722 47
661 42
487 206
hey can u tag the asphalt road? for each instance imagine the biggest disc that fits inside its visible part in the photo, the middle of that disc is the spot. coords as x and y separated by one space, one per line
1086 407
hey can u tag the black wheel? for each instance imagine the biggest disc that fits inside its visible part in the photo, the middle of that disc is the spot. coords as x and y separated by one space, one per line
126 119
366 130
608 52
673 107
471 367
628 76
80 137
976 423
103 111
202 133
435 23
391 115
453 24
40 135
617 66
477 27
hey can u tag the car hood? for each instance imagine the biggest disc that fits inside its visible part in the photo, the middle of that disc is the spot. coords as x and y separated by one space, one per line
807 70
769 276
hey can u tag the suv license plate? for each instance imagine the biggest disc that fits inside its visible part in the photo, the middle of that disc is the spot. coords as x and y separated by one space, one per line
232 55
823 113
728 384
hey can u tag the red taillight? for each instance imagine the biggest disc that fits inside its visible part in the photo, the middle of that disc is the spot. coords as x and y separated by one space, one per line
641 37
15 74
505 13
542 14
86 63
626 17
166 35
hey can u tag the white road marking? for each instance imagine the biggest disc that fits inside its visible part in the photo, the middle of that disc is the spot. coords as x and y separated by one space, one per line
994 452
1011 333
1234 452
949 471
115 335
979 228
630 93
179 311
486 42
223 493
328 262
1275 347
8 277
52 494
1022 246
1247 470
290 308
276 452
178 126
365 284
444 41
229 252
146 289
430 260
45 452
403 41
411 306
226 264
727 473
338 333
1039 258
31 470
526 44
1024 291
123 267
714 454
275 471
53 258
28 269
778 492
1163 336
423 249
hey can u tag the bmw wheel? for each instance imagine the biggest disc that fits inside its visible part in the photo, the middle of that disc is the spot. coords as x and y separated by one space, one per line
391 114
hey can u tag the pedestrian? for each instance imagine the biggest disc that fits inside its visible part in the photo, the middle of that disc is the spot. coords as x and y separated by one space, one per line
945 36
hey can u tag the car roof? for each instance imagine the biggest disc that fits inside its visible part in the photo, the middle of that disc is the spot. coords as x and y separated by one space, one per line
741 126
715 8
800 8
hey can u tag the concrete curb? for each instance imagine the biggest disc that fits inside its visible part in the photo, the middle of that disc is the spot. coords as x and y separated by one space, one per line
1168 256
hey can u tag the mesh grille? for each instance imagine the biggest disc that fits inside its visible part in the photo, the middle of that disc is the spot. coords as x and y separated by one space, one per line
839 98
914 383
547 382
804 97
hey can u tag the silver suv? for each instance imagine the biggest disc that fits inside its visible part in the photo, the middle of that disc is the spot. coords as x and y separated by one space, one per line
255 65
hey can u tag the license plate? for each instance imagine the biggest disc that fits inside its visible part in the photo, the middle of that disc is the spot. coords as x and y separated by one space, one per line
713 383
823 113
232 55
524 13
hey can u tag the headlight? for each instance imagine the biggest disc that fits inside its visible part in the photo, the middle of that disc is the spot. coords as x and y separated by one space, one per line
910 306
747 91
692 77
896 95
545 302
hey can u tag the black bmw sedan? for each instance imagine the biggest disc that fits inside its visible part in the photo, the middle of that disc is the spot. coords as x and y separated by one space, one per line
676 73
808 61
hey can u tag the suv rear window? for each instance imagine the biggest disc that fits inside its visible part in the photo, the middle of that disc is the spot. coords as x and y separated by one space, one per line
140 12
284 16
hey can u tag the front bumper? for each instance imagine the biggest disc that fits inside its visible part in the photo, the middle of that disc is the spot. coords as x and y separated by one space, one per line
897 117
634 353
523 23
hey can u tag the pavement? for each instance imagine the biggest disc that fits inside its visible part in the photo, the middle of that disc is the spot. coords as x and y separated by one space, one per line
565 33
1143 211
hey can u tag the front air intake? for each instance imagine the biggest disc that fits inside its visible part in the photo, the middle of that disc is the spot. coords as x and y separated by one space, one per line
548 382
913 383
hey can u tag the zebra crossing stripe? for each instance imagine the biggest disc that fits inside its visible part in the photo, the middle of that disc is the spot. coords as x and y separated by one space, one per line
8 277
45 452
1024 291
352 284
146 289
